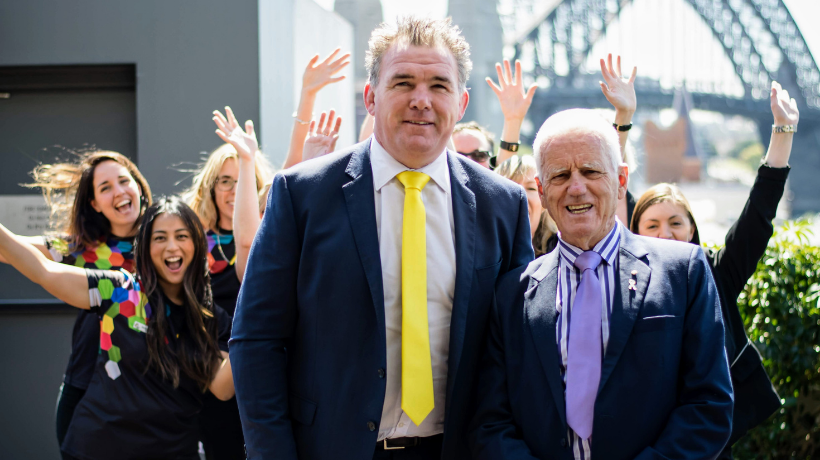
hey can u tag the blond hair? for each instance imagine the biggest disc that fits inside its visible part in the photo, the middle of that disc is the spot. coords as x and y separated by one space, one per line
415 31
516 169
201 196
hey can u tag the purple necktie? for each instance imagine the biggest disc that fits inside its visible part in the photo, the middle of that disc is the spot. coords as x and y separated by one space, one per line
584 347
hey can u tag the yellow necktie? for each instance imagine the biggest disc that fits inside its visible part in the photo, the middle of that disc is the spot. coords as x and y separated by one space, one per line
416 368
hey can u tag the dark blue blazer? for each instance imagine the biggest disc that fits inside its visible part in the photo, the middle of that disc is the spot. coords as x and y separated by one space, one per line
665 390
308 349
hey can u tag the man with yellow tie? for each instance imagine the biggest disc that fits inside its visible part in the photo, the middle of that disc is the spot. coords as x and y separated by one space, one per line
366 298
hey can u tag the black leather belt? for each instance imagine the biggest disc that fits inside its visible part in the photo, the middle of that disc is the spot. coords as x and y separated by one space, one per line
404 443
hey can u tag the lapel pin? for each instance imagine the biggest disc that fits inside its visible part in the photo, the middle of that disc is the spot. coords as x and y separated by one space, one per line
633 282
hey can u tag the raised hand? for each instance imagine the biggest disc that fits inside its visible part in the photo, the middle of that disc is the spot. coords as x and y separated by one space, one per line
619 93
510 91
322 137
317 76
784 109
230 132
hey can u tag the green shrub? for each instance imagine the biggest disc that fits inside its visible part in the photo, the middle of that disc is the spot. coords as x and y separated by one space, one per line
780 309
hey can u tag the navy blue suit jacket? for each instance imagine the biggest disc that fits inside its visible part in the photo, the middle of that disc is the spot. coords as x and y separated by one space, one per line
308 348
665 390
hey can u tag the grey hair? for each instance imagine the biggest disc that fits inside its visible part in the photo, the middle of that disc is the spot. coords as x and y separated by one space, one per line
417 31
577 122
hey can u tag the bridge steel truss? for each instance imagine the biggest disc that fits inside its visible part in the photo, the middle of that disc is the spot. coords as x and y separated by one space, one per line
748 30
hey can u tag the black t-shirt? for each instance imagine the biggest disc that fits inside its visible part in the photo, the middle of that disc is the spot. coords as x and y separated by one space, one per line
129 412
111 253
222 264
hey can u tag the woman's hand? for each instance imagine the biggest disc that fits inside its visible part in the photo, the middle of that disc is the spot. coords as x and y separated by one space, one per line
619 93
784 109
510 92
230 132
317 76
321 138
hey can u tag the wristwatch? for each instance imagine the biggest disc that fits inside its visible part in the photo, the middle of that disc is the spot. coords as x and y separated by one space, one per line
622 128
784 129
510 146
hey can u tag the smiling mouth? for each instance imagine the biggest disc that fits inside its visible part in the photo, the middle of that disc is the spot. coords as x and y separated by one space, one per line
579 209
123 206
419 123
174 263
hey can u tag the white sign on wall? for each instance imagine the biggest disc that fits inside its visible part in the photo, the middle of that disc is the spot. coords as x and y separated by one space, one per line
25 215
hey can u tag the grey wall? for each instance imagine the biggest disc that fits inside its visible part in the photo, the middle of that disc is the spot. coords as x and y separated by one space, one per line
192 56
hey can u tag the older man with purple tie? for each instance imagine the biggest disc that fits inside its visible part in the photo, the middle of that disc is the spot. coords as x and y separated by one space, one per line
610 347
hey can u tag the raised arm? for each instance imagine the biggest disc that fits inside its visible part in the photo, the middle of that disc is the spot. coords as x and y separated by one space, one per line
246 203
746 241
620 93
316 77
322 137
784 111
515 103
35 241
65 282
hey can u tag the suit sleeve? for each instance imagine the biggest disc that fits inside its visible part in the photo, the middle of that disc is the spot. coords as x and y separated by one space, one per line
265 319
492 434
700 425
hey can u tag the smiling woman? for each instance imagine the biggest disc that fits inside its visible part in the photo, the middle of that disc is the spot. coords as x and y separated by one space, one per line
96 205
159 343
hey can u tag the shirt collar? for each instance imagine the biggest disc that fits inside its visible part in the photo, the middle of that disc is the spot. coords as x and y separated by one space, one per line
385 167
607 248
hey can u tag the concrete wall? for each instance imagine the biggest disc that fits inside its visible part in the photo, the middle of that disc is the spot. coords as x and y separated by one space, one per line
291 32
192 56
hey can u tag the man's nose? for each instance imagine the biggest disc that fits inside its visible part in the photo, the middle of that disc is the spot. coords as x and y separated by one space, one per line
577 185
421 98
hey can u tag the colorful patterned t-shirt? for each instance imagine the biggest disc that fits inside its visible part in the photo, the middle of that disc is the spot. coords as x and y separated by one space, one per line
112 253
129 411
221 262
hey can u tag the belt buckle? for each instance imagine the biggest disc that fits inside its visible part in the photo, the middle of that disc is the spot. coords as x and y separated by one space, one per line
386 447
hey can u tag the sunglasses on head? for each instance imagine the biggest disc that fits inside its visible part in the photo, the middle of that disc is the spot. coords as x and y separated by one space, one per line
479 156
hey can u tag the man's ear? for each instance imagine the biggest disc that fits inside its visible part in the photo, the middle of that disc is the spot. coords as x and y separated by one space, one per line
541 192
370 99
623 180
462 104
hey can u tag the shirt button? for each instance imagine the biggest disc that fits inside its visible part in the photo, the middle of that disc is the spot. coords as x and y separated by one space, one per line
371 426
563 442
401 424
381 373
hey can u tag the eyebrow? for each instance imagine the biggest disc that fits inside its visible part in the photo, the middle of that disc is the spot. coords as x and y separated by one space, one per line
407 76
105 181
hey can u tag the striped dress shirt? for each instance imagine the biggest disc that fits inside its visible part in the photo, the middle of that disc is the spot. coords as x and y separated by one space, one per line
568 279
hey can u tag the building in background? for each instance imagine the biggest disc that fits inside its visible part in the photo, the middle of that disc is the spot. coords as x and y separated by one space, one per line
141 78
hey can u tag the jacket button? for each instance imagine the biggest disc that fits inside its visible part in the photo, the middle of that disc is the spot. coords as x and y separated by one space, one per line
381 373
371 426
563 442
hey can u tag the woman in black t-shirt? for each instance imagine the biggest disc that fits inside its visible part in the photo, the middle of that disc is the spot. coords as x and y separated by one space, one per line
163 342
95 230
230 178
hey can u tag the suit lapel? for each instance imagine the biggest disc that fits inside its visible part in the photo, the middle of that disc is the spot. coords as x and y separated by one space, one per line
464 220
361 210
540 315
627 302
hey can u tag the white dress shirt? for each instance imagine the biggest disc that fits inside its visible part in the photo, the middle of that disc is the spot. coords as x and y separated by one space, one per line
441 279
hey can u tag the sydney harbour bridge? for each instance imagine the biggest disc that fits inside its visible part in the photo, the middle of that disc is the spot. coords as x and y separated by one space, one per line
737 46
